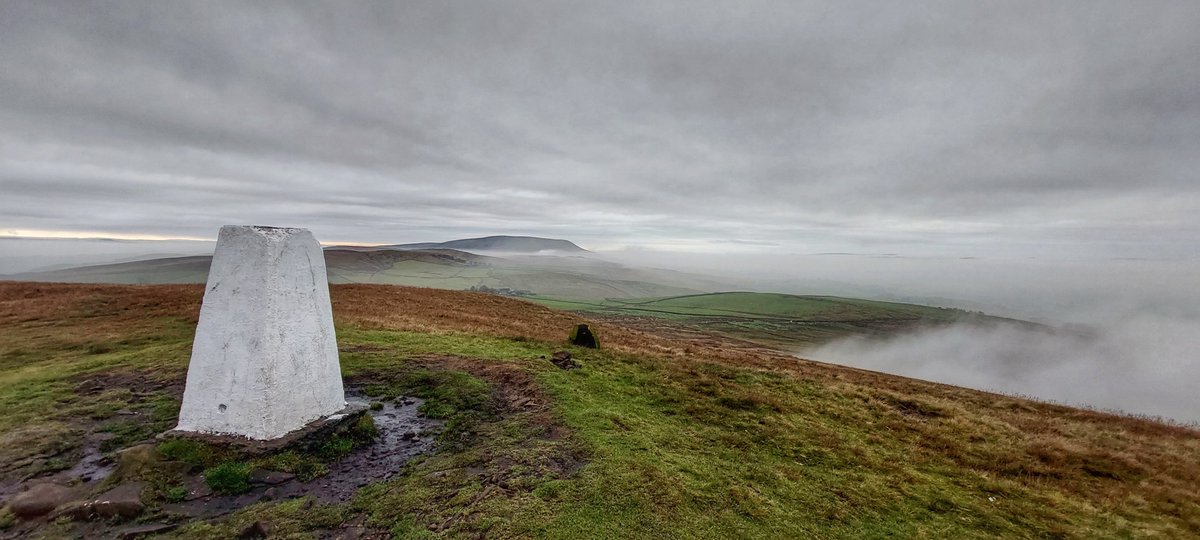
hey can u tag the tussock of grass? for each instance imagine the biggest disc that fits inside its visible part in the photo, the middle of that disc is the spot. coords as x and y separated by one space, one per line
229 478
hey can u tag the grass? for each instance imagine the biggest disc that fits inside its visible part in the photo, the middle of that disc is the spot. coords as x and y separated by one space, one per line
761 305
229 478
778 320
653 438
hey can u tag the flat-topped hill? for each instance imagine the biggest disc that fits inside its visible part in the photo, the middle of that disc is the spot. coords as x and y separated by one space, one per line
500 243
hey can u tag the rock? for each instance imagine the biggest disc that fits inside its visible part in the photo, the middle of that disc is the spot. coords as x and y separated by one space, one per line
258 529
355 529
271 494
523 403
582 336
197 488
123 501
137 462
350 533
145 530
40 499
90 386
76 510
269 478
408 436
563 360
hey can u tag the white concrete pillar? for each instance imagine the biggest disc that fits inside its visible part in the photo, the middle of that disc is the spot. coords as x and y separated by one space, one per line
265 359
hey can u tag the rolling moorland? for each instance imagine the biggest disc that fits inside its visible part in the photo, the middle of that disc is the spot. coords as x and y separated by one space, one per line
783 321
656 435
559 276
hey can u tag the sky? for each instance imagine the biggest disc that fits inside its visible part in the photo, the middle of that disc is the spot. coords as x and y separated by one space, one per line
1063 129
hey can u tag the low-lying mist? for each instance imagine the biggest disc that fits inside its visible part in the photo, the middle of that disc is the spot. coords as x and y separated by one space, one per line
1121 334
39 254
1138 363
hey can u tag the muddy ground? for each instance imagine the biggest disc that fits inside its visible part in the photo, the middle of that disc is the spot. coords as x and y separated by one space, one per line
404 433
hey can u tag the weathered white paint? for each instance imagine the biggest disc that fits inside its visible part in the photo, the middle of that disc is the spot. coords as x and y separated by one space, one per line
265 359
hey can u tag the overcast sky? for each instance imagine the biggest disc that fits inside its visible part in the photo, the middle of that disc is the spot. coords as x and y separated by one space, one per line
1049 129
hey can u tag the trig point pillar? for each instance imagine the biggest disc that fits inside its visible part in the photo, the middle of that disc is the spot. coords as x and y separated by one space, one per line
265 359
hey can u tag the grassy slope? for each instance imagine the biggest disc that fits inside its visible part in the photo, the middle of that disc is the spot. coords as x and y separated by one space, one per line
779 320
653 438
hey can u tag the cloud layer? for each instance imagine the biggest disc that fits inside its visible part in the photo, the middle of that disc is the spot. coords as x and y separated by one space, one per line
1143 365
1027 128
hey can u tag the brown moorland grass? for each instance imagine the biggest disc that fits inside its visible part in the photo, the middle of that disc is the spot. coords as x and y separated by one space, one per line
1110 463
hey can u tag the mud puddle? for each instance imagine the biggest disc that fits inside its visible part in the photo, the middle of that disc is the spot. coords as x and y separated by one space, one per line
91 469
403 434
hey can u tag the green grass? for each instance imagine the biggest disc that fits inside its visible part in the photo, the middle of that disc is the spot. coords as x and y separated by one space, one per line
636 446
39 377
756 305
229 478
713 451
780 320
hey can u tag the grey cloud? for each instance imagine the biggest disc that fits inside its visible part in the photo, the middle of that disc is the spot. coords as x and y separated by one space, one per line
866 121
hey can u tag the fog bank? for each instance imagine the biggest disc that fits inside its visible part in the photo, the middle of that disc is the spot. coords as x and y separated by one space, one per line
1140 353
39 254
1136 362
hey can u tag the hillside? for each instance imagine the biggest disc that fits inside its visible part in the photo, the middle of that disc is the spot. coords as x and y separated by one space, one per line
778 320
504 244
153 271
569 277
653 437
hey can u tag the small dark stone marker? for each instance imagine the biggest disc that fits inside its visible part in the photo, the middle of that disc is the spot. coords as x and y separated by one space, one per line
563 360
583 337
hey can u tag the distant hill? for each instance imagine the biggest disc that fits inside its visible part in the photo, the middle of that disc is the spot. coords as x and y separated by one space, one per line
154 271
505 244
563 277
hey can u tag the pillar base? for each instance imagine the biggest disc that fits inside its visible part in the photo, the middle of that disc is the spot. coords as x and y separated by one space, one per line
316 431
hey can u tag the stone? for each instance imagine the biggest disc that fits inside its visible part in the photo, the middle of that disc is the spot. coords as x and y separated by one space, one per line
582 336
137 461
196 488
123 501
271 494
563 360
76 510
40 499
90 386
148 529
270 478
258 529
265 360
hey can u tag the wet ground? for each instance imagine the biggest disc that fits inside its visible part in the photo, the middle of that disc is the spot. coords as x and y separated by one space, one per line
403 434
92 469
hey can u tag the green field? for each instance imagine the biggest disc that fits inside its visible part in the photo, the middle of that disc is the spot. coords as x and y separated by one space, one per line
781 320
